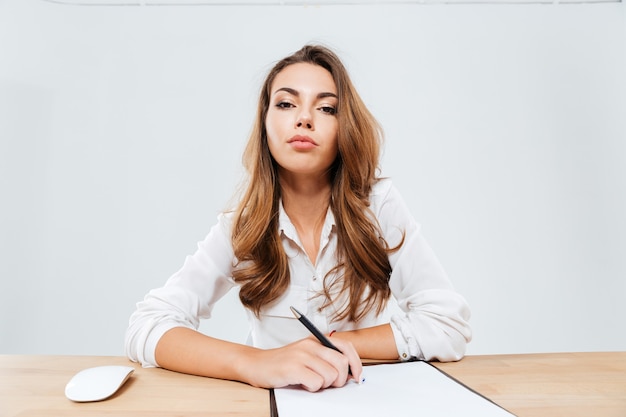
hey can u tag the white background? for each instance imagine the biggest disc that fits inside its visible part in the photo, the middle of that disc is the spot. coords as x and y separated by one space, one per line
121 130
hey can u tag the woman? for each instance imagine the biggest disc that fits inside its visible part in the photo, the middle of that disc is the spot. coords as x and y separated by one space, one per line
315 229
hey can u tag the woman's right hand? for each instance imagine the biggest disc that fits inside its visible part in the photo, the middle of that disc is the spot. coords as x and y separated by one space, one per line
306 362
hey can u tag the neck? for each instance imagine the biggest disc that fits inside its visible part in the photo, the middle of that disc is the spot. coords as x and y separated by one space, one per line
304 195
306 202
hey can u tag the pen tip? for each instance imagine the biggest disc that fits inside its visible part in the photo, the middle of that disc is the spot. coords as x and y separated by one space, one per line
295 312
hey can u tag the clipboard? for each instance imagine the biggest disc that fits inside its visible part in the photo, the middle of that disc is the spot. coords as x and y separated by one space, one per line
391 389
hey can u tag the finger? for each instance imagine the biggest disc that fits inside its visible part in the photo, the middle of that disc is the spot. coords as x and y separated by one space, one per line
314 374
337 375
354 361
315 366
311 380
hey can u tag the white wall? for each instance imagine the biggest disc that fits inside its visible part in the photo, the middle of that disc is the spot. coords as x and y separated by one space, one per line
121 130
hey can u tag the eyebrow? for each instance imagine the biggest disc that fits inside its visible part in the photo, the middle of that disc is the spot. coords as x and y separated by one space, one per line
297 93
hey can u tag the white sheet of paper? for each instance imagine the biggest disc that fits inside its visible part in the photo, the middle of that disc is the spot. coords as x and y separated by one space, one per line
402 389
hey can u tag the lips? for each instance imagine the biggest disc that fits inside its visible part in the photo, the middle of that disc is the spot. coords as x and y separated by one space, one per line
303 140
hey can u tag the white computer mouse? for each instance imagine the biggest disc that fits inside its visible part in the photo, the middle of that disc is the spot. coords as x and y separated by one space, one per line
96 384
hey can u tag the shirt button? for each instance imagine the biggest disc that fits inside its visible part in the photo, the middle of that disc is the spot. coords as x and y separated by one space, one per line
404 355
314 277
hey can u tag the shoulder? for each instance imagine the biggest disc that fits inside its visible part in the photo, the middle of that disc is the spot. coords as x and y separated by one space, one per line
226 218
389 207
222 229
382 186
383 192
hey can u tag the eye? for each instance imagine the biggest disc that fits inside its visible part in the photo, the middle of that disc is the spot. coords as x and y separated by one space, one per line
284 105
328 110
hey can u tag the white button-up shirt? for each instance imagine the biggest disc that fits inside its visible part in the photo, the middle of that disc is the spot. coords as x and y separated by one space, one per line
433 323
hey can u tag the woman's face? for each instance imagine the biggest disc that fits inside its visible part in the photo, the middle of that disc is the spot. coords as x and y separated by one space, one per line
301 124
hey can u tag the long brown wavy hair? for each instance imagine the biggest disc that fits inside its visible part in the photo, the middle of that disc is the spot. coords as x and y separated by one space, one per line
362 253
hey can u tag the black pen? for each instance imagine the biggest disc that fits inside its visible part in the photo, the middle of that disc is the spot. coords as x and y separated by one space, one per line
323 339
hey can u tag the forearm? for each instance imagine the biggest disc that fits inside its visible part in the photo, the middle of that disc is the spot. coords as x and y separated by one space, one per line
305 362
188 351
372 343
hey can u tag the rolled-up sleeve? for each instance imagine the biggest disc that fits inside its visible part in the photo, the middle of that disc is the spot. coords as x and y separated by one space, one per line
434 326
188 296
434 323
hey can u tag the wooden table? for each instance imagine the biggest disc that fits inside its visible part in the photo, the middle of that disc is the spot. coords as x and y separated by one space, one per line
34 386
546 385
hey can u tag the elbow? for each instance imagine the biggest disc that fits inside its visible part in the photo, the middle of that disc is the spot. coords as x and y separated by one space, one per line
451 349
139 341
431 337
448 343
132 347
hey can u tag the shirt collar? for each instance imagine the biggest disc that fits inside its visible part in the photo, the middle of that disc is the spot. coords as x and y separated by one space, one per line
286 228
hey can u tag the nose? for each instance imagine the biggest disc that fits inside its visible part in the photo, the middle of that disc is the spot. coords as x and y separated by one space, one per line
304 120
